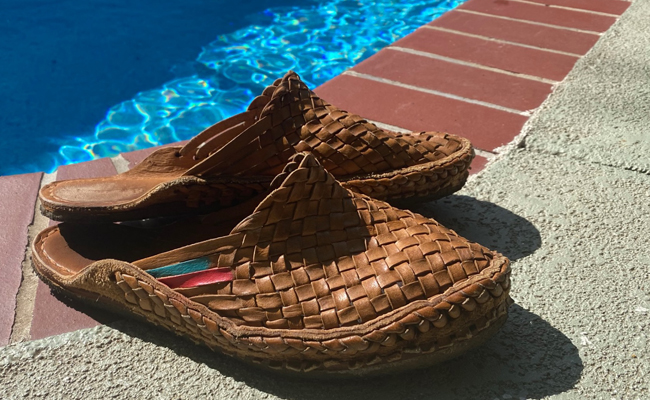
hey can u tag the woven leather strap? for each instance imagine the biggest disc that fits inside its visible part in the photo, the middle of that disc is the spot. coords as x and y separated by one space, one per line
289 118
224 131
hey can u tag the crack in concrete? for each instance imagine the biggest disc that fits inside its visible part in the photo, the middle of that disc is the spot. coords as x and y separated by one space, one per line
631 168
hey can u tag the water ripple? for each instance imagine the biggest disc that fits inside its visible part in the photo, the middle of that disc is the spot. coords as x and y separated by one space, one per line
319 42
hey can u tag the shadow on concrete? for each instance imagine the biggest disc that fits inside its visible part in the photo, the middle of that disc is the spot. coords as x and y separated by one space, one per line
486 223
527 358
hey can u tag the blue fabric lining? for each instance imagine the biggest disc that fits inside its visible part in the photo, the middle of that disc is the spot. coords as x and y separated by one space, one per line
185 267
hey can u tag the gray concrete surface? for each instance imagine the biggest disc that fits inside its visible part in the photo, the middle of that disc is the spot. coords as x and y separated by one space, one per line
601 113
570 206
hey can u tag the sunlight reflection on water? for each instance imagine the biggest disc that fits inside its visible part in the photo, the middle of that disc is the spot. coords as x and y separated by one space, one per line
319 42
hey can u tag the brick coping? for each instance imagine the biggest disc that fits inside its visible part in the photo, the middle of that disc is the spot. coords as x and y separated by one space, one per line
478 71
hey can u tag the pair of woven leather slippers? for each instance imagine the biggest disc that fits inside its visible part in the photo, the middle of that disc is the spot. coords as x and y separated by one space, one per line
287 255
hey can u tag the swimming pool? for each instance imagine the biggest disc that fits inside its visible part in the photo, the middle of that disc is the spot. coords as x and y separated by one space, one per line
159 71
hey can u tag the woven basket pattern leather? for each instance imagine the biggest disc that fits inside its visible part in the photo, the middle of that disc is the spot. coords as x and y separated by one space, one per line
315 255
295 119
425 330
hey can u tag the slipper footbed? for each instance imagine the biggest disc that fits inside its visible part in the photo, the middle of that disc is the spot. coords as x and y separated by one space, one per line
68 248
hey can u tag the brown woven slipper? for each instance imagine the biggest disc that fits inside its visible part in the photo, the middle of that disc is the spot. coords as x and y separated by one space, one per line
317 279
236 159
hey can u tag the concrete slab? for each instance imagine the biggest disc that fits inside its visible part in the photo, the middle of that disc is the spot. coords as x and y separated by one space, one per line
601 112
147 363
577 264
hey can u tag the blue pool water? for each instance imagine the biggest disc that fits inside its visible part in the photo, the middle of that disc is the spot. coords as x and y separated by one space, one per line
84 80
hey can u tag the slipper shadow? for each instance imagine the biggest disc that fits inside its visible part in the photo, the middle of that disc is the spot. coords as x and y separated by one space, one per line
486 223
526 358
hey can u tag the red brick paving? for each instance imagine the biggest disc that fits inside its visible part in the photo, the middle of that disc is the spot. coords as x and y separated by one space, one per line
16 214
478 164
135 157
540 13
51 316
91 169
487 128
507 57
518 32
469 82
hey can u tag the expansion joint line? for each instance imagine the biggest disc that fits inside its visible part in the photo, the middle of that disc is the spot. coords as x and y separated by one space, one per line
534 3
437 28
435 92
529 22
471 64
